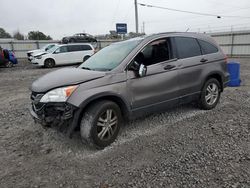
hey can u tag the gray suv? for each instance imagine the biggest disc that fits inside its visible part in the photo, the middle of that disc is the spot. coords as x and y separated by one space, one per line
129 79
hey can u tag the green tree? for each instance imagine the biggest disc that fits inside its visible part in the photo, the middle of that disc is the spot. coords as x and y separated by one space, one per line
4 34
133 34
38 35
17 35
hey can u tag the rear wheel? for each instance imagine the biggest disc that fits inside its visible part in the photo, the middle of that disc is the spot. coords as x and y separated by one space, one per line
49 63
100 124
85 58
210 94
9 64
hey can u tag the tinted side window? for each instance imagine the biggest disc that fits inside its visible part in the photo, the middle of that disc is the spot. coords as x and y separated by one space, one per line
85 47
74 48
207 48
155 52
62 49
187 47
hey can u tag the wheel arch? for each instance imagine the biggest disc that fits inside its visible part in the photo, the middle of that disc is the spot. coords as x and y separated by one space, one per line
217 76
48 58
124 107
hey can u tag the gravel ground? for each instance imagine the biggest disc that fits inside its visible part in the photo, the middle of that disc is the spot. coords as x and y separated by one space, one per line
183 147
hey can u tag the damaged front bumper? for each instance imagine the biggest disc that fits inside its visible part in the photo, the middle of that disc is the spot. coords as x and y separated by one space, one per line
59 114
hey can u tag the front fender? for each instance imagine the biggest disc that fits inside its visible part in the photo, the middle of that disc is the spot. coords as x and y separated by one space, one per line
83 105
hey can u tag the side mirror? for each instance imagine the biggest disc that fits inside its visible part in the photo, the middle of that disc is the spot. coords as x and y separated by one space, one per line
142 70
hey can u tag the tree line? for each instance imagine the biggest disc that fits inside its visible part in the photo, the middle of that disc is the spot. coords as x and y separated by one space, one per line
32 35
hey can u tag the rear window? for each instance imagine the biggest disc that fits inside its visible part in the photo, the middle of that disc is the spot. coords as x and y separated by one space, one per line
187 47
207 48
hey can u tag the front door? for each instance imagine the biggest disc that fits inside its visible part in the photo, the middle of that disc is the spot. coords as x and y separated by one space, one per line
159 88
61 55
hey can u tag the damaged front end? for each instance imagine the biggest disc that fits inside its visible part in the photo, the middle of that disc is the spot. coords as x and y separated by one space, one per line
56 114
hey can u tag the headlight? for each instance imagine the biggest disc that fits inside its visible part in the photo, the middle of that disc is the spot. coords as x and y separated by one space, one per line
39 57
59 94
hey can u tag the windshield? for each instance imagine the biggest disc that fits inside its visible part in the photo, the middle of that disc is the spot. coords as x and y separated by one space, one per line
51 50
111 56
48 46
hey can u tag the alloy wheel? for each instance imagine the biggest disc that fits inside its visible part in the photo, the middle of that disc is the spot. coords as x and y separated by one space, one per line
212 93
107 124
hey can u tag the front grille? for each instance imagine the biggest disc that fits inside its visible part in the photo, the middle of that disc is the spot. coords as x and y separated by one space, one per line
36 97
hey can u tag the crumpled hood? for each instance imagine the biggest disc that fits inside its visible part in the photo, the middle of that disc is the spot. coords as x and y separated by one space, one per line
64 77
35 51
39 53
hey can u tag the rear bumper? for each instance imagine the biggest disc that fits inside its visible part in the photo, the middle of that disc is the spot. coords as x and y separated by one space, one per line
226 80
14 60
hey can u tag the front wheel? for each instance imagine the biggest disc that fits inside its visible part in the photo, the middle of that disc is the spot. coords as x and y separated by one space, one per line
100 124
210 94
49 63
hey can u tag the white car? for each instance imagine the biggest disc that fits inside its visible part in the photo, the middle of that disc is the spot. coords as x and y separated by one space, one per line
33 53
64 54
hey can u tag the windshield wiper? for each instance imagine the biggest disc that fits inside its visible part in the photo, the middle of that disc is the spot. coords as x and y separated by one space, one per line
86 68
103 69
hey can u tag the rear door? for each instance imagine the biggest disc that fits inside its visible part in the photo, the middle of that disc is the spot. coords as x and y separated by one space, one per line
209 51
75 53
87 50
189 62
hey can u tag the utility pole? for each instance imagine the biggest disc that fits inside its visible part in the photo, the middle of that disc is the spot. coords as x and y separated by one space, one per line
136 17
143 27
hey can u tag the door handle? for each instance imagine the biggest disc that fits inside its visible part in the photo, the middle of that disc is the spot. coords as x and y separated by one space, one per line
168 67
203 60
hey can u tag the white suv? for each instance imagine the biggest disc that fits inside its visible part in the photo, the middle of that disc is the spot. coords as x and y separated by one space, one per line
64 54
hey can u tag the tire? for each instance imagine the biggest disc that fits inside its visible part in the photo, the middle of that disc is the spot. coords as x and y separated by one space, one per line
85 58
9 64
65 41
49 63
210 94
100 124
72 40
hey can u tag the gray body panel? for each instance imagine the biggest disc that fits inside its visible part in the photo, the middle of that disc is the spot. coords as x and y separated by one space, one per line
64 77
159 88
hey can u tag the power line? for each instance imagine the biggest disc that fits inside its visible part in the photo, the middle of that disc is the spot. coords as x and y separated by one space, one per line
190 12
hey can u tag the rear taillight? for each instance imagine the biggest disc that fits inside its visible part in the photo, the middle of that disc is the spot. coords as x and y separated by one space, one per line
226 59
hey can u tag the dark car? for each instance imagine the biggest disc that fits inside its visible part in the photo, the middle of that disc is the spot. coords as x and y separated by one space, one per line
3 61
130 79
7 58
79 37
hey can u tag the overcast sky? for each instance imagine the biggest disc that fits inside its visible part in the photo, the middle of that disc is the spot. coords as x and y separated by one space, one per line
59 18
